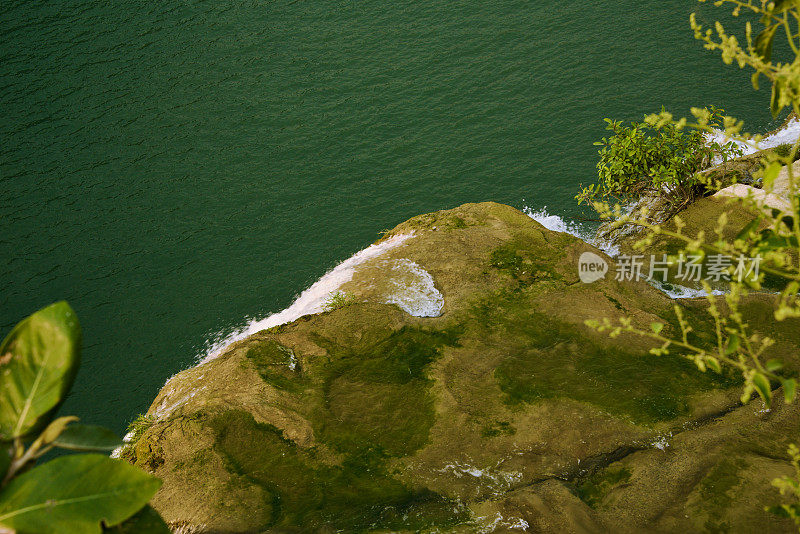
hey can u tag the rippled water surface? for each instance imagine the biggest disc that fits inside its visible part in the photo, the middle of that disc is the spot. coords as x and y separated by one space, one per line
171 168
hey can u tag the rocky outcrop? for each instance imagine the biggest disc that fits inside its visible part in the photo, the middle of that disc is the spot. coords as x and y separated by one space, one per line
493 409
765 201
739 204
781 186
743 170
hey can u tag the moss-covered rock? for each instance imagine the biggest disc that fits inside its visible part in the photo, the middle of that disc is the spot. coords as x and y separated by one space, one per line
502 412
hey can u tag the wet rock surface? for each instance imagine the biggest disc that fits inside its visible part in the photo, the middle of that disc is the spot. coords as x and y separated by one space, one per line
500 412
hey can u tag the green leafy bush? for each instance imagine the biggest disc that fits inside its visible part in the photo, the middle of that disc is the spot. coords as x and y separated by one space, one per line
658 159
79 493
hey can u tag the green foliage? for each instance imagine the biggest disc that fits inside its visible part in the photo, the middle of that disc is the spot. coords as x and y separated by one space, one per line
74 494
777 246
38 362
337 300
785 151
81 493
654 158
790 486
778 17
87 438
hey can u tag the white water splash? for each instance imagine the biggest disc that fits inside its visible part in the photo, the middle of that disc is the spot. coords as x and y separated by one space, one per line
584 232
789 134
310 301
413 290
558 224
587 234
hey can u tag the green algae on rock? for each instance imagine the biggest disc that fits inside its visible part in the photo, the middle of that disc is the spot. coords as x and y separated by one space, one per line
502 412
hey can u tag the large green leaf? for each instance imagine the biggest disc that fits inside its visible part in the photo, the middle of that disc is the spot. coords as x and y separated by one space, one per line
789 389
73 494
53 430
38 361
762 385
88 438
764 40
774 102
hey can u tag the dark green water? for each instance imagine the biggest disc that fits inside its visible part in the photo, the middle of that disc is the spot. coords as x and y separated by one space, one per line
171 168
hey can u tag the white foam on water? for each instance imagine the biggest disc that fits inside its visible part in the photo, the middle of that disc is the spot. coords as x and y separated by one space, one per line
556 223
413 290
587 234
310 301
789 134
